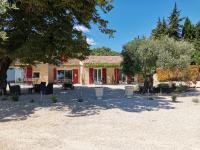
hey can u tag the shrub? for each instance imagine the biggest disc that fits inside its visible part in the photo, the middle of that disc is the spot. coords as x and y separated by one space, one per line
15 98
54 99
195 100
174 97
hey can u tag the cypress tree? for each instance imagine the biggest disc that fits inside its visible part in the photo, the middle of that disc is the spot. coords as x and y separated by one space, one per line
160 30
174 30
188 30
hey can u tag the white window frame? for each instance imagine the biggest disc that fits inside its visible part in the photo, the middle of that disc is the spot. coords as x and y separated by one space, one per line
97 75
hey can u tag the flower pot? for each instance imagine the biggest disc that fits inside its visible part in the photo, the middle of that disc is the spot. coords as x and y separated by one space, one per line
129 91
99 92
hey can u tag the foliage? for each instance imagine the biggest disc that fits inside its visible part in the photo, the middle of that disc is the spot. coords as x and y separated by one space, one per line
15 98
179 75
188 30
45 31
54 99
174 29
139 57
104 51
174 97
196 42
160 30
173 54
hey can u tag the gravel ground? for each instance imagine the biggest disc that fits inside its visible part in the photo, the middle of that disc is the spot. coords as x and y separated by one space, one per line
114 123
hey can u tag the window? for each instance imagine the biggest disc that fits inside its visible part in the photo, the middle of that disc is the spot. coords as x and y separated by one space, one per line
97 76
36 75
64 75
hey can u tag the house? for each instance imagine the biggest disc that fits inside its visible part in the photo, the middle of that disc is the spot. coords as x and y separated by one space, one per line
92 70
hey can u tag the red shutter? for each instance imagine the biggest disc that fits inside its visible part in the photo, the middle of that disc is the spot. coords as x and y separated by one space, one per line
91 75
55 74
29 73
104 75
116 72
75 76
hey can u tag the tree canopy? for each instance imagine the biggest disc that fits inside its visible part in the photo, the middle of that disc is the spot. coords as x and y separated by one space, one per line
103 51
46 30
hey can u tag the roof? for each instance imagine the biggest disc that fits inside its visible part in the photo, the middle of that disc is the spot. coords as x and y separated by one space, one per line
72 62
103 60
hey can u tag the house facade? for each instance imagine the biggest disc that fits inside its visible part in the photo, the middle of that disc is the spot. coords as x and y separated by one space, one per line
92 70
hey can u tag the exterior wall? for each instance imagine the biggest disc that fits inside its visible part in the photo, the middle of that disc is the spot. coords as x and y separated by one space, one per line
110 75
68 67
43 69
51 73
85 77
109 78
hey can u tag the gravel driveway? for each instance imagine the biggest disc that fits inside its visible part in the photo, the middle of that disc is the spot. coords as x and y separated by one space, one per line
114 123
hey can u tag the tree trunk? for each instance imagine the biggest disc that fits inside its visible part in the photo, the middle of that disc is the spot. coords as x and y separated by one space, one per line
4 65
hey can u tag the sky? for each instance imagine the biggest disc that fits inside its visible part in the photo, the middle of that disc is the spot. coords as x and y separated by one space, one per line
133 18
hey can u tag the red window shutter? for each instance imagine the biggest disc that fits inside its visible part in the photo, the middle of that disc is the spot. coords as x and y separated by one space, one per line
29 74
104 72
75 76
91 75
116 72
55 74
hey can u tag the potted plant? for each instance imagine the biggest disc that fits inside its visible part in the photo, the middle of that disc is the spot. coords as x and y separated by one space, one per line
99 92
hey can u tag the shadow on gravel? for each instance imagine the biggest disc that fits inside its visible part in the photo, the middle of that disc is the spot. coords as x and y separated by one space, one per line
68 101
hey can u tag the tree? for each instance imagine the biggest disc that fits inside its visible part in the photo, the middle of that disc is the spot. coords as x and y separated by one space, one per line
196 42
143 56
160 30
103 51
173 55
140 58
45 30
174 30
188 30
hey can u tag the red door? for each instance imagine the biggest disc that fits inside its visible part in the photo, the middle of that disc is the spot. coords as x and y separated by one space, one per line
104 72
75 76
116 72
91 76
29 73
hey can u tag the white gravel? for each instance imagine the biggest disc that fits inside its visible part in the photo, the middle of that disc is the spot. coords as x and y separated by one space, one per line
113 123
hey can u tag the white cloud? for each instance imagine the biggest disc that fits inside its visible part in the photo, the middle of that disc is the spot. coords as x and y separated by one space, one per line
81 28
91 41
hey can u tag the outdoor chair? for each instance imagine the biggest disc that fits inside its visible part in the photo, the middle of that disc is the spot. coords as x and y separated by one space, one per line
14 89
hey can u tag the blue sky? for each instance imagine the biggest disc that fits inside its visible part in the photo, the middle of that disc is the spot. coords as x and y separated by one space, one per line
138 17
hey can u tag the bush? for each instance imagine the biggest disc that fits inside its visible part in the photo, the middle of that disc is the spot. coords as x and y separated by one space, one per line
54 99
15 98
174 97
195 100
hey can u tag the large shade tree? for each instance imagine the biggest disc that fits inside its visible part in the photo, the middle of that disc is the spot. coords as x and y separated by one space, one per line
44 30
